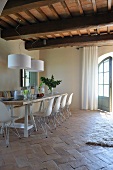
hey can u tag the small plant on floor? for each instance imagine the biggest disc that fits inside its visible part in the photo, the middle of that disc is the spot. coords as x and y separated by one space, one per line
51 83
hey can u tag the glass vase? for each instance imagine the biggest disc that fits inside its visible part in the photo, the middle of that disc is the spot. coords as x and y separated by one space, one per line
51 90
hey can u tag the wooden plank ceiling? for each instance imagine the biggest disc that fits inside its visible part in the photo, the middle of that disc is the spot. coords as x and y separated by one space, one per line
46 24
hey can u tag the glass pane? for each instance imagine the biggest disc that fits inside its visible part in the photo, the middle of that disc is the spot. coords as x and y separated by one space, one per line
101 67
106 90
27 74
33 78
106 78
27 82
100 78
100 90
106 65
23 82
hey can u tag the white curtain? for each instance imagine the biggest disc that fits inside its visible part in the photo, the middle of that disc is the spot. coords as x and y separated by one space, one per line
90 78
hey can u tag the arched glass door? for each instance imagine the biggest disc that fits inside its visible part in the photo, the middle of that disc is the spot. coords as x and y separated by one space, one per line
105 85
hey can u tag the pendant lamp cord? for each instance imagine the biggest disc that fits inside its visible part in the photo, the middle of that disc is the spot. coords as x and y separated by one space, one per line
18 33
17 28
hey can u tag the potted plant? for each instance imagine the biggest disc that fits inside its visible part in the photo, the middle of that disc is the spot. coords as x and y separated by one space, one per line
51 83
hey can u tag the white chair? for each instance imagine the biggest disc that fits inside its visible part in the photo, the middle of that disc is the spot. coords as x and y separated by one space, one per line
43 115
63 105
68 105
7 121
55 111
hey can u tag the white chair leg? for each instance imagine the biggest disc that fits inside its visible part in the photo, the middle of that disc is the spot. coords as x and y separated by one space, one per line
44 129
1 129
58 117
16 133
62 111
61 117
68 112
57 120
54 121
48 127
43 125
6 134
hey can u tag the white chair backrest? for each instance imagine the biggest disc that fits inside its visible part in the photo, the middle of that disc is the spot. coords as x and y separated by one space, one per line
5 115
49 107
57 104
69 99
63 103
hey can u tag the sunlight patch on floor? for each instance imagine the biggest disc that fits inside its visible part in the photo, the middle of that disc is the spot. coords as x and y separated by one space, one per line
106 115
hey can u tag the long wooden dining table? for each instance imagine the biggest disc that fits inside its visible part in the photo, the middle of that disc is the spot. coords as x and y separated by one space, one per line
28 104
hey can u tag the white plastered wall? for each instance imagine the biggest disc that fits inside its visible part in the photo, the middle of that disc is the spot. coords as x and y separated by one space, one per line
65 64
10 78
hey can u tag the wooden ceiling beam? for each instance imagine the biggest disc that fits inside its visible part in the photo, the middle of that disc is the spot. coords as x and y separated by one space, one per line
70 34
16 6
108 30
98 30
31 15
79 33
66 8
61 35
53 11
4 24
109 4
10 20
58 26
70 41
20 19
94 5
53 35
42 13
88 31
80 6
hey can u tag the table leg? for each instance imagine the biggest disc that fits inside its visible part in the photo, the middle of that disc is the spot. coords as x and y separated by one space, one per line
41 106
26 122
12 112
32 118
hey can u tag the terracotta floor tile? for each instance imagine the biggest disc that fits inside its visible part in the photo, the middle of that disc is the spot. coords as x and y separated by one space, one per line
50 165
22 161
64 149
64 159
48 150
65 167
8 159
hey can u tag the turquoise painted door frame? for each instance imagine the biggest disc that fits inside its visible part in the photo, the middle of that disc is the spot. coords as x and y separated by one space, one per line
105 85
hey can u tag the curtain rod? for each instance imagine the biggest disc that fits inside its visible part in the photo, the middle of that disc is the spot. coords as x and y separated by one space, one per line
97 46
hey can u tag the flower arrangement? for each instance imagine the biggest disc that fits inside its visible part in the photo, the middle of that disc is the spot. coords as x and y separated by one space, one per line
51 83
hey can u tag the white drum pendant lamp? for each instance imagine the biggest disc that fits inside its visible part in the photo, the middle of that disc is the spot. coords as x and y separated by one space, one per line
36 66
19 61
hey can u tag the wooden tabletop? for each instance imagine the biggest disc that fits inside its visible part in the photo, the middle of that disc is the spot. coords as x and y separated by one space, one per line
25 102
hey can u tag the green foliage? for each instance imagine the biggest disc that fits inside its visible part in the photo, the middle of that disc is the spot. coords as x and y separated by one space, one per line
25 92
41 84
50 82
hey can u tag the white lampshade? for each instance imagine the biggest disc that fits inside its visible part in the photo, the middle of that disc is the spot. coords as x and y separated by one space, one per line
20 61
36 66
2 4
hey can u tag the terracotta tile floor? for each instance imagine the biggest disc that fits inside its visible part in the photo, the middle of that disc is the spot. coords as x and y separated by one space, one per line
64 149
